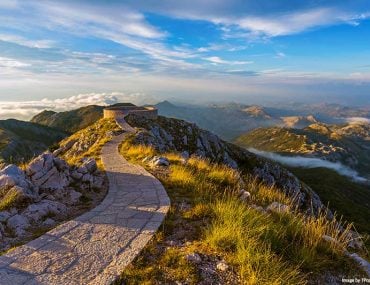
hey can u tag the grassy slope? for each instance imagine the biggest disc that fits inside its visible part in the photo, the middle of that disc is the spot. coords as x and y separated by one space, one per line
89 141
207 218
272 139
70 121
350 199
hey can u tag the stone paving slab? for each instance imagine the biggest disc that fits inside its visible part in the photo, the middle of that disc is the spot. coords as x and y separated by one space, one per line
96 246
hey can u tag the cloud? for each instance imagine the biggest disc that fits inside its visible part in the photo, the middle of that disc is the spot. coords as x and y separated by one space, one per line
357 120
265 18
305 162
217 60
27 42
27 109
9 62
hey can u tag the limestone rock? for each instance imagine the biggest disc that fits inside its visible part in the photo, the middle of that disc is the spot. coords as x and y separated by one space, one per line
222 266
244 195
12 175
194 258
258 208
90 165
48 172
82 170
276 207
36 212
364 264
19 224
159 161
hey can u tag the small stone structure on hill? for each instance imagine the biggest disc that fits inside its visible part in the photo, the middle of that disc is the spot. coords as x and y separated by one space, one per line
119 111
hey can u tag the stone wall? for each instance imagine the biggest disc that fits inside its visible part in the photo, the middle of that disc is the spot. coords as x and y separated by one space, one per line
121 112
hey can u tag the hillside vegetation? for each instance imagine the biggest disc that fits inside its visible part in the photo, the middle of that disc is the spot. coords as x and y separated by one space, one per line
20 141
348 144
70 121
215 235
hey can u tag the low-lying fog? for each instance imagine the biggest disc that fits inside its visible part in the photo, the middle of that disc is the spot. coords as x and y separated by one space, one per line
306 162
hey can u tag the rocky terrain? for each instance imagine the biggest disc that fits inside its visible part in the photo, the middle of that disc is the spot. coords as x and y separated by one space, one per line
53 186
20 141
298 122
46 192
167 134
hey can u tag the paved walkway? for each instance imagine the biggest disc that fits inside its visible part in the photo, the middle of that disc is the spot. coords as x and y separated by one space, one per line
95 247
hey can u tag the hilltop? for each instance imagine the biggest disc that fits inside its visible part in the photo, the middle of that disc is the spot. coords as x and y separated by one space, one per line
70 121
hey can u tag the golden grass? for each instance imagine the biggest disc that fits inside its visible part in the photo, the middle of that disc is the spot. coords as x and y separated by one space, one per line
140 151
278 248
237 231
8 198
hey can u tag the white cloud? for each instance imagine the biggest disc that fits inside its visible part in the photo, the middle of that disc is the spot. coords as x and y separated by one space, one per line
27 42
355 120
308 162
217 60
280 55
26 109
12 63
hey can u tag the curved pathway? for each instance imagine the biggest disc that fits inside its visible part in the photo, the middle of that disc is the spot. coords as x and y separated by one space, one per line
95 247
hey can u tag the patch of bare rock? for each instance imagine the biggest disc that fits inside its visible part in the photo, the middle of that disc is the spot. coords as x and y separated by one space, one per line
45 193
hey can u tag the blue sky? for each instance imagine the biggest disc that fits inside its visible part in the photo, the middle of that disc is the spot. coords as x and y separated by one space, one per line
188 50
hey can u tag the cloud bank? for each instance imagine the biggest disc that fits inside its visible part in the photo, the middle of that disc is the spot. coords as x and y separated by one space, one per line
305 162
358 120
27 109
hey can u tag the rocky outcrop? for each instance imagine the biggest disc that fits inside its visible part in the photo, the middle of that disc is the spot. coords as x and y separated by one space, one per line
48 187
166 134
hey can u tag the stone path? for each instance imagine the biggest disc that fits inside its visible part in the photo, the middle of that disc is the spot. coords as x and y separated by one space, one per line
95 247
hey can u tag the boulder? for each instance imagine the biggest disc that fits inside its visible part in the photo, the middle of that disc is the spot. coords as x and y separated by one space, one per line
18 224
41 164
60 164
52 180
36 212
159 161
194 258
363 263
12 175
82 170
222 266
244 195
276 207
90 165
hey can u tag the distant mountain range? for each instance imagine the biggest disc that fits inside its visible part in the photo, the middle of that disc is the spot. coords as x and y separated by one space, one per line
232 120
